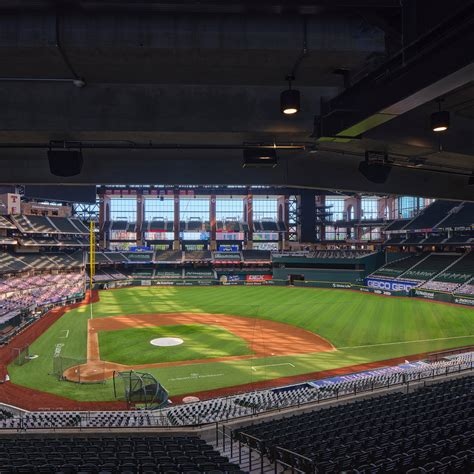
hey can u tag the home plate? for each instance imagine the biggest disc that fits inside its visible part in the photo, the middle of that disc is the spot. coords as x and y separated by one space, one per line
255 367
166 341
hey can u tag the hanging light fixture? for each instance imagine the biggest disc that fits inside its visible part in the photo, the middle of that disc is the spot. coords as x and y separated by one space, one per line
440 119
290 99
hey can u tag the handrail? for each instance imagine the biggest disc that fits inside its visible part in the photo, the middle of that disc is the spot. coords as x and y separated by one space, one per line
163 421
306 462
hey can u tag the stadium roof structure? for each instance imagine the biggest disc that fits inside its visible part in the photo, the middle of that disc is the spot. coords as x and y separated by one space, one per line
172 92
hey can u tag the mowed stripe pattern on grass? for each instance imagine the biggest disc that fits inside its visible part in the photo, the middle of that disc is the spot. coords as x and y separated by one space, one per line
347 319
132 346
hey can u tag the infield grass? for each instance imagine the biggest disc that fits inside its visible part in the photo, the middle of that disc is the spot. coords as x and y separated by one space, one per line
133 347
363 327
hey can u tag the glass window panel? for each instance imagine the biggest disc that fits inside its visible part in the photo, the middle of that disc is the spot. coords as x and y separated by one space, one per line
123 209
194 208
337 208
157 208
265 209
369 208
230 209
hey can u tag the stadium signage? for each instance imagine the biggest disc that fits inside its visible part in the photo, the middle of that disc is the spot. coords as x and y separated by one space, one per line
425 294
341 285
465 301
390 285
257 278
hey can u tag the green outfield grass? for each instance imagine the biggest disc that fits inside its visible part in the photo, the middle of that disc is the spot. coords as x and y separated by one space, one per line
363 327
132 346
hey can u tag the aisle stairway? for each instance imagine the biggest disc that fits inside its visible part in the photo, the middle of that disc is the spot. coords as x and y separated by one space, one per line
249 461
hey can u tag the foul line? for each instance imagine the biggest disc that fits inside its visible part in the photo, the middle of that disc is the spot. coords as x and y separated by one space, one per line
255 367
195 376
407 342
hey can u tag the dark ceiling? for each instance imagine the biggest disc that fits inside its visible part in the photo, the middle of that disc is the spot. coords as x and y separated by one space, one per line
201 79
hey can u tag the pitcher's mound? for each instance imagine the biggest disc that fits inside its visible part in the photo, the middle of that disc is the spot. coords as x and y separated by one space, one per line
166 341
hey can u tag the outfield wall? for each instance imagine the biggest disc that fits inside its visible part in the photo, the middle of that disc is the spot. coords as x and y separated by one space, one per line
439 296
105 285
317 274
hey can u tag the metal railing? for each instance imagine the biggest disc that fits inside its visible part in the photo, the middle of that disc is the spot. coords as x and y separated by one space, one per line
151 420
278 456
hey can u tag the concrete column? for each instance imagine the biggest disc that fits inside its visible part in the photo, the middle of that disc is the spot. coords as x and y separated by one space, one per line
101 220
213 222
308 217
284 216
140 217
358 216
248 216
176 242
321 201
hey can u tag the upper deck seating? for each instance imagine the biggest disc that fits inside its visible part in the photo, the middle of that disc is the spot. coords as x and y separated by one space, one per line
460 217
197 255
172 256
432 215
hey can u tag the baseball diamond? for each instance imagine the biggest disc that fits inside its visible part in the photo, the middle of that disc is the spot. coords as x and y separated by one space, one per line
234 336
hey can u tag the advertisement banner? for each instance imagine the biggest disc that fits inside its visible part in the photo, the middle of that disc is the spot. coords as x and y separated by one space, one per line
257 278
463 300
432 295
390 285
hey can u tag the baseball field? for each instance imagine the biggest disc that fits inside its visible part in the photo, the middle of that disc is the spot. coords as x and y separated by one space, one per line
196 339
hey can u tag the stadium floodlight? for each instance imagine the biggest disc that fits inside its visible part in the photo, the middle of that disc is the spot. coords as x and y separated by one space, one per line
260 157
65 162
290 99
440 120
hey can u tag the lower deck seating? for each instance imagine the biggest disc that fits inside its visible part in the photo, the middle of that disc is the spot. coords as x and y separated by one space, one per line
430 429
397 267
120 454
429 267
22 292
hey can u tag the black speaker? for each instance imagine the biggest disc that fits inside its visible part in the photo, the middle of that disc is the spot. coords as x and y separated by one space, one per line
260 157
374 172
65 162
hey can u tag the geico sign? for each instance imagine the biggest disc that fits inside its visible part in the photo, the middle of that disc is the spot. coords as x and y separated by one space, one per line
388 285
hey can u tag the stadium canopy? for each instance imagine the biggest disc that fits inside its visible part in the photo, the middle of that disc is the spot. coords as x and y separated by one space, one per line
171 92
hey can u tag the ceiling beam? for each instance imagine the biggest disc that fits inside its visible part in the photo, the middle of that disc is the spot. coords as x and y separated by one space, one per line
432 66
298 169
